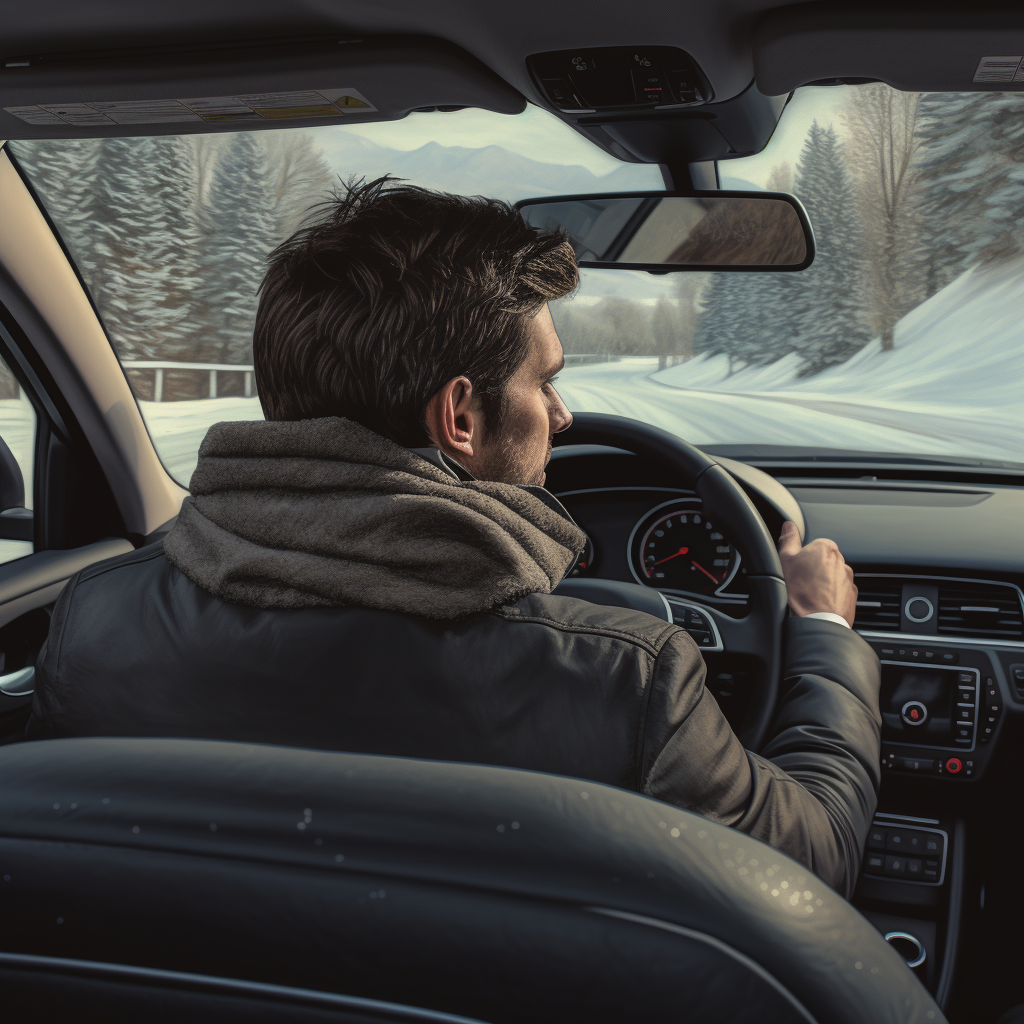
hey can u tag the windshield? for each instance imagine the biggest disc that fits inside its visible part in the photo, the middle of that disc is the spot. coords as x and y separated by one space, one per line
903 338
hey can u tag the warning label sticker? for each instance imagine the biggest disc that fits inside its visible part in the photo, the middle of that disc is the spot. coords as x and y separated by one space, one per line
271 106
1000 69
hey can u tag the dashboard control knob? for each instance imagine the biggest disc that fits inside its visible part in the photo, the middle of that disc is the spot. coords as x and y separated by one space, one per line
954 765
914 713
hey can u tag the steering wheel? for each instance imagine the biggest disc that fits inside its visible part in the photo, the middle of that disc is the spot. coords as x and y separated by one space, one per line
759 633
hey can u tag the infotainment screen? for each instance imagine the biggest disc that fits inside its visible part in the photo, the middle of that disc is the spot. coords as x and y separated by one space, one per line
918 704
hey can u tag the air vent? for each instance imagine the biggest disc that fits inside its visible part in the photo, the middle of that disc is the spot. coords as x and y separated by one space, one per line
980 609
878 604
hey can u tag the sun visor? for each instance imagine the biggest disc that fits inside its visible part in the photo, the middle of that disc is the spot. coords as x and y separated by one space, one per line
916 51
177 91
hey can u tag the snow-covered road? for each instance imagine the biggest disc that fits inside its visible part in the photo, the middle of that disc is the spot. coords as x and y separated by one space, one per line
701 416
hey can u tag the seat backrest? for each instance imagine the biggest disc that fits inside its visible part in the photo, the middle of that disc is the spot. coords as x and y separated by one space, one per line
353 886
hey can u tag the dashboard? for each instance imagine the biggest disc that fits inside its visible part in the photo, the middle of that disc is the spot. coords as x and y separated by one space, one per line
939 568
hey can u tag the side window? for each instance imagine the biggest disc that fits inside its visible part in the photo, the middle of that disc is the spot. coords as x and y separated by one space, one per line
17 449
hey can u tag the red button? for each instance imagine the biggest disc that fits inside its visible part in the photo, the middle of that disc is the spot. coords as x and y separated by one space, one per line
953 765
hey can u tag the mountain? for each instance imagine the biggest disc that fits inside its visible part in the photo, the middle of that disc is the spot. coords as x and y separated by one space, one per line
490 171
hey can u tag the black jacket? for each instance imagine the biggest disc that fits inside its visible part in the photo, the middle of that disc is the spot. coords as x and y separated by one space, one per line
546 683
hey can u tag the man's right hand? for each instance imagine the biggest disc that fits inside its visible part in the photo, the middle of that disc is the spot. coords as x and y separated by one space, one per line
817 576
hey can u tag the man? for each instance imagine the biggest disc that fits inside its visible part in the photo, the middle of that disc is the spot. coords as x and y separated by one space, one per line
370 569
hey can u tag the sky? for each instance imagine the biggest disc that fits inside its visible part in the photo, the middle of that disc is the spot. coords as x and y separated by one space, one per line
539 135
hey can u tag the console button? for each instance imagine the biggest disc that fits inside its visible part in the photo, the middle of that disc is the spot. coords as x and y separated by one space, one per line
966 677
965 714
897 840
650 86
876 838
914 764
702 639
896 866
954 765
930 874
964 732
914 867
874 862
949 657
914 713
914 842
560 93
933 843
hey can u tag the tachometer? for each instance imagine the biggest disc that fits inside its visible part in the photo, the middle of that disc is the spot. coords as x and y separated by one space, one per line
681 549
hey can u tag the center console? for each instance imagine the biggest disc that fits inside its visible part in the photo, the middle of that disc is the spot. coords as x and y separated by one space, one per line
941 708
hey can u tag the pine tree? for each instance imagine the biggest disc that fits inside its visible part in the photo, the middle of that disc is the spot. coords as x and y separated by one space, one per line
822 309
240 232
972 169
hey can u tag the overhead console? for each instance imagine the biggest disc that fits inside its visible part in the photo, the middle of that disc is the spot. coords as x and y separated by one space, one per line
620 78
652 104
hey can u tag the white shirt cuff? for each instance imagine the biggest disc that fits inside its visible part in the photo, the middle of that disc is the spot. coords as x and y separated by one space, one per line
830 616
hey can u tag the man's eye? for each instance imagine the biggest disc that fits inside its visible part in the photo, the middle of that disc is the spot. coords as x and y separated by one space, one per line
550 383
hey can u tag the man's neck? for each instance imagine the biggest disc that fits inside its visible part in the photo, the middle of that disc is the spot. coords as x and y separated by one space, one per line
436 457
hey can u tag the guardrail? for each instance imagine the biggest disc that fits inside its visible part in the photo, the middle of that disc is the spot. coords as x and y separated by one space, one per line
158 366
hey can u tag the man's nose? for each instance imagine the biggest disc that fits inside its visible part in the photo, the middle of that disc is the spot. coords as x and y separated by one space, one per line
561 418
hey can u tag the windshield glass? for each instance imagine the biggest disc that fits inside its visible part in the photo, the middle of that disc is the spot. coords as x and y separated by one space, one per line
902 338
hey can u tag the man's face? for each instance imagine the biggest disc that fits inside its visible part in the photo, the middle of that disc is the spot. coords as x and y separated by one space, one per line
519 451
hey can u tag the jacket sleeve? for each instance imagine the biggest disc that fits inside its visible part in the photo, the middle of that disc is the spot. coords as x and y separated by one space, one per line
813 790
46 700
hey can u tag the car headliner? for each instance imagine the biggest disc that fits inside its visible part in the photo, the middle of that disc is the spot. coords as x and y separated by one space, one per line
932 47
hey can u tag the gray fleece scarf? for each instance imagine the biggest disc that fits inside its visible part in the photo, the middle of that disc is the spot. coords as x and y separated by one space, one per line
327 513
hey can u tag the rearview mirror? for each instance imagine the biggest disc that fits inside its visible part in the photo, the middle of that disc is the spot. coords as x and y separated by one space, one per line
665 231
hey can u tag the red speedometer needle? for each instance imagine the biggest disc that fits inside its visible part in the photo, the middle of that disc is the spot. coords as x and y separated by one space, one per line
668 558
697 565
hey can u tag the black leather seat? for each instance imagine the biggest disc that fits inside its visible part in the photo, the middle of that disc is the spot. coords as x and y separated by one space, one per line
159 879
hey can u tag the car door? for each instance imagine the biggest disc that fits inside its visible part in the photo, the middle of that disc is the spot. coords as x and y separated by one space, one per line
79 479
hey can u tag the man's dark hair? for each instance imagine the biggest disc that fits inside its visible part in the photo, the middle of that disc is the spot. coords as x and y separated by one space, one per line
367 312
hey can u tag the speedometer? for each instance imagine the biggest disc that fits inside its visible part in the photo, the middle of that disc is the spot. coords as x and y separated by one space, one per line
681 549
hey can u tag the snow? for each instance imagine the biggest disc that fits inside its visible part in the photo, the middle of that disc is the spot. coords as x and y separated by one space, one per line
953 385
18 429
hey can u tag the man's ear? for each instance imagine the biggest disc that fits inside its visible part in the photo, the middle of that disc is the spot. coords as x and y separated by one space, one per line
453 418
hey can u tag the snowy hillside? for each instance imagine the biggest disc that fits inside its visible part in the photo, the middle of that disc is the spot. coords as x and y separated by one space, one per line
965 345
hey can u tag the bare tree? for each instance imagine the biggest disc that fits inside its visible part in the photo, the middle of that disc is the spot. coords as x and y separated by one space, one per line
881 152
301 177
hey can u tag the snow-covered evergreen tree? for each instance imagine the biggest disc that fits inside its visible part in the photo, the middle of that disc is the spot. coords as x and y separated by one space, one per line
143 264
822 309
240 231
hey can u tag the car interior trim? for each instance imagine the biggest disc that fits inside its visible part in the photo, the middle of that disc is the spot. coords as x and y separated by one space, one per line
922 953
680 603
751 965
956 895
182 979
906 817
935 641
